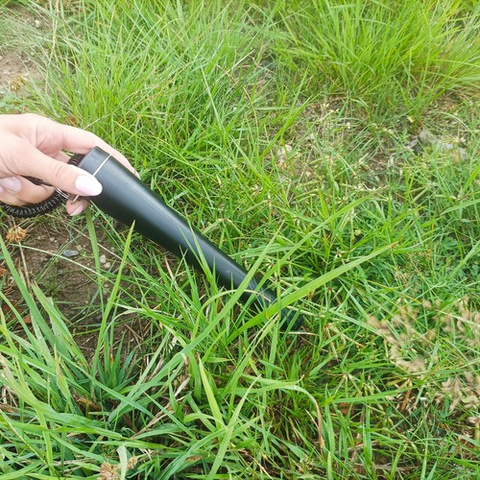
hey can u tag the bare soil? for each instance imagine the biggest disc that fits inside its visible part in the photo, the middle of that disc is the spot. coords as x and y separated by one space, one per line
57 255
16 69
17 66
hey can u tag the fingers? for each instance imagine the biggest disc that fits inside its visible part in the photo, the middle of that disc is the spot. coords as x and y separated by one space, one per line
11 184
80 141
33 146
77 207
51 137
31 162
20 191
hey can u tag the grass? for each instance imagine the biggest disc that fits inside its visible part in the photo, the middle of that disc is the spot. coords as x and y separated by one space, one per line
284 132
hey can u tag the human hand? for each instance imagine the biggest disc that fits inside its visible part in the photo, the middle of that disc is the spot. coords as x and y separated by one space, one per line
32 145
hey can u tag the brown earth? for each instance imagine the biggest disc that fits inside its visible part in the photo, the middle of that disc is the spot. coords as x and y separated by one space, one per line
56 254
17 66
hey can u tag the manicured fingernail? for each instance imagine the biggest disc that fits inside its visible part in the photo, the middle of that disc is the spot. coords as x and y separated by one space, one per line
88 185
11 183
78 210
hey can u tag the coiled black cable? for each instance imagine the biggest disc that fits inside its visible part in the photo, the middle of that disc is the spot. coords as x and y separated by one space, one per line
45 206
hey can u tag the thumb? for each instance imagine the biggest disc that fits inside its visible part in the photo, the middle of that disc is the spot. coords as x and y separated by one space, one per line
66 177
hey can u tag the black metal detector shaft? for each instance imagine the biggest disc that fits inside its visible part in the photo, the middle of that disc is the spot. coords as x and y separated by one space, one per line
127 199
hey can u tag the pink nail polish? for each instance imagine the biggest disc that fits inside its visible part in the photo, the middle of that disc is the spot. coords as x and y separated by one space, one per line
88 185
11 183
77 211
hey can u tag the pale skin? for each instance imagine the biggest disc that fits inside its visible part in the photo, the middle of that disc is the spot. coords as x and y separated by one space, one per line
34 146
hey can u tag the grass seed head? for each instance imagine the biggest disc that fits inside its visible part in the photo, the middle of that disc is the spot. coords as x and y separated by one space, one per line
412 335
16 234
108 472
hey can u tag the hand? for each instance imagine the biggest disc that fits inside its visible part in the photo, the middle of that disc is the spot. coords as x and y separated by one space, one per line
31 145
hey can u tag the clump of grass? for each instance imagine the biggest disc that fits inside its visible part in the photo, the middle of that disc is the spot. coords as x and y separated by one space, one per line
390 57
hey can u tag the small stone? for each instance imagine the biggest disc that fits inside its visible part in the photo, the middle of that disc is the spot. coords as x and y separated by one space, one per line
427 138
70 253
108 265
103 258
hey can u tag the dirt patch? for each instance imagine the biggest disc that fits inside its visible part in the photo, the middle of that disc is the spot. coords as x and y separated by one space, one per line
56 253
17 67
16 70
57 256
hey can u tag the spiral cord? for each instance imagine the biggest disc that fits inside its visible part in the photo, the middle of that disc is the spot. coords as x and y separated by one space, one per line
56 199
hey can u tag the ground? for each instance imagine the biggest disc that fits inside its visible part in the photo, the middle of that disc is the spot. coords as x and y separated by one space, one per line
17 66
58 256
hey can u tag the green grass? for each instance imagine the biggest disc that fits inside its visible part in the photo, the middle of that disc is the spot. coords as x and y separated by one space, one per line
385 56
282 130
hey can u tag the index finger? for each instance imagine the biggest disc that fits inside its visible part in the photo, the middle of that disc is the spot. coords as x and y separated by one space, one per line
81 141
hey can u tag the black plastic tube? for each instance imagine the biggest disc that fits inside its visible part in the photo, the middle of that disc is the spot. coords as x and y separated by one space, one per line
127 199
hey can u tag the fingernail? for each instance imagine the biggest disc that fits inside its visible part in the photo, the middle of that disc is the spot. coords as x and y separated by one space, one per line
11 183
1 189
77 211
88 185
